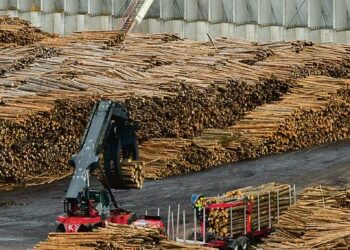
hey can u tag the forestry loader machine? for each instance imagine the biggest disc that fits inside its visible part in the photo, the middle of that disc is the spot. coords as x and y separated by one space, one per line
109 138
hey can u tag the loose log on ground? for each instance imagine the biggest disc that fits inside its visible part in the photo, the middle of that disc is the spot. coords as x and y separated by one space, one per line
112 237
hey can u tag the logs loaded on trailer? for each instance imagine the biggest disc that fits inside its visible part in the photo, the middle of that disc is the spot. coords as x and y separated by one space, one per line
270 201
113 237
210 102
319 220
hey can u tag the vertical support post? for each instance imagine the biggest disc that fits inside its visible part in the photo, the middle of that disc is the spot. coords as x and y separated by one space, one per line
113 9
195 225
295 194
290 195
284 21
204 229
309 14
168 225
172 226
89 6
231 222
258 211
158 212
269 209
146 212
178 221
278 207
245 219
184 224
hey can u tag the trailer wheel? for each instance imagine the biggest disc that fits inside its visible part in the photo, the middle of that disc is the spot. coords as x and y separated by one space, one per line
232 245
60 229
243 243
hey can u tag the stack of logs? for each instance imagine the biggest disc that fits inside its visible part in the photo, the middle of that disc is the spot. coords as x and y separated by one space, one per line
14 31
277 197
315 111
41 146
191 110
319 220
187 92
28 57
113 237
132 175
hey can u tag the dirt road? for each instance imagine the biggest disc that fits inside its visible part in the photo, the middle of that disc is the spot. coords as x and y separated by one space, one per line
26 216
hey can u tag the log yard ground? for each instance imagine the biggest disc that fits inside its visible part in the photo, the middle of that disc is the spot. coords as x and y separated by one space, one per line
213 117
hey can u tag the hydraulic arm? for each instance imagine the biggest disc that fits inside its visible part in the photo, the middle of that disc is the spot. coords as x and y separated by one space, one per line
111 133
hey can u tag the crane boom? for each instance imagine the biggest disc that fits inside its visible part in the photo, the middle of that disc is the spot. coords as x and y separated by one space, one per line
110 132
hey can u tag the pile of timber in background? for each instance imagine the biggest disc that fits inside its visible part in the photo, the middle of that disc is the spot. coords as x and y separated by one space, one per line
25 58
220 218
44 142
319 220
113 237
185 91
314 112
192 109
14 31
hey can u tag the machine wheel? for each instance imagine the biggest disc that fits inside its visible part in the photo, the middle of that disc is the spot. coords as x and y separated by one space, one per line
132 218
96 226
232 245
243 242
60 229
84 229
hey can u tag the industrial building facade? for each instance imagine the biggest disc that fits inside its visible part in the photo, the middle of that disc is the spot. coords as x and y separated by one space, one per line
255 20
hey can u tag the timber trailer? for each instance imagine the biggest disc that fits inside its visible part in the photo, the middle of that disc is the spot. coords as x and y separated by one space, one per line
235 241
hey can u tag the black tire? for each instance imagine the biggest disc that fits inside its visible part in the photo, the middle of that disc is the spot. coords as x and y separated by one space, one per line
199 236
60 228
232 244
243 243
84 229
132 218
96 226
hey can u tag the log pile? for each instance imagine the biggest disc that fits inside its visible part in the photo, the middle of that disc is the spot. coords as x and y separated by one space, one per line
309 115
319 220
115 39
158 153
132 175
189 91
113 237
279 196
40 146
316 111
15 31
27 57
188 113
